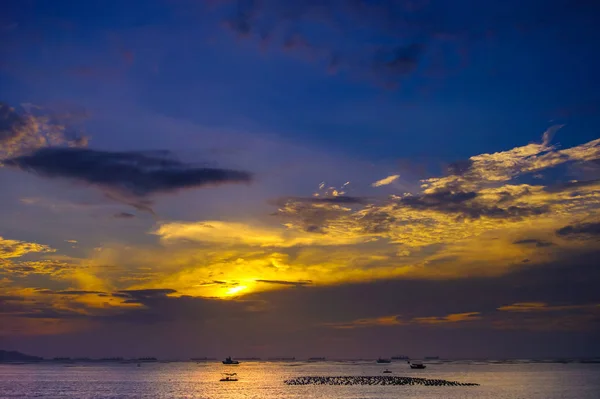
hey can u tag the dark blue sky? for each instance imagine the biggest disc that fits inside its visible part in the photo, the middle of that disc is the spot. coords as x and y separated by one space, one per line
487 76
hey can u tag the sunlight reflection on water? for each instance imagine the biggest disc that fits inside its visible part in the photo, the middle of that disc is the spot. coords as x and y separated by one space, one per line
265 380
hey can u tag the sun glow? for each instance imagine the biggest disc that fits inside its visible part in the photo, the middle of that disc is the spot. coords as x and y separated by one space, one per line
235 290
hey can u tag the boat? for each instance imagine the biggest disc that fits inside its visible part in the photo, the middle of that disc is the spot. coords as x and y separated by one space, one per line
229 377
228 360
387 371
316 359
432 358
416 365
381 360
400 357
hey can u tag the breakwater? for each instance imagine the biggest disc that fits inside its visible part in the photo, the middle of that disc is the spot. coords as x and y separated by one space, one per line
374 380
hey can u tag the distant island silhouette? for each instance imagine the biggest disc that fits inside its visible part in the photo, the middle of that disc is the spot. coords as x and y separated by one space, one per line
14 356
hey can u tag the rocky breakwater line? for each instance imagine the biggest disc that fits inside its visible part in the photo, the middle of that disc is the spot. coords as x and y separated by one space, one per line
375 380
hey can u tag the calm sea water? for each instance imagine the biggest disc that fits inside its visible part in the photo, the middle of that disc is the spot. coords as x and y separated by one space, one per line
265 380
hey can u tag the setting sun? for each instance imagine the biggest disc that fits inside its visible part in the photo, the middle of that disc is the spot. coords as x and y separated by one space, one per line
235 290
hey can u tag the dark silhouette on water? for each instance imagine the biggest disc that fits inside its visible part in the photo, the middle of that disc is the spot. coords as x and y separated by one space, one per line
381 360
229 377
374 380
416 365
14 356
228 360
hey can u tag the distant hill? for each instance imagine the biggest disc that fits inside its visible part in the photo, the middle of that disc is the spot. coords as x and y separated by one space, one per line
14 356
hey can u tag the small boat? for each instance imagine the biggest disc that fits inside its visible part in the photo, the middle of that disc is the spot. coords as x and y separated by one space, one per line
381 360
228 360
229 377
387 371
400 357
416 365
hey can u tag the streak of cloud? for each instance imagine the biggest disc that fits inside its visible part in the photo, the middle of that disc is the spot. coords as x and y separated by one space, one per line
33 127
385 181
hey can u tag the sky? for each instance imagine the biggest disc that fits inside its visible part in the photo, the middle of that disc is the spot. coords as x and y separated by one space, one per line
339 178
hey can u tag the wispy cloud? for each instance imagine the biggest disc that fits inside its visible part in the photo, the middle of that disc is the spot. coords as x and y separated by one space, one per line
451 318
33 127
385 181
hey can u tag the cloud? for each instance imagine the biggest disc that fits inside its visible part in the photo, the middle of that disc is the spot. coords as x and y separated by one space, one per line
23 131
141 295
385 181
492 169
382 41
541 307
71 292
126 176
285 282
391 52
572 185
38 267
586 230
448 242
451 318
533 241
234 233
464 204
123 215
16 248
383 321
398 320
400 61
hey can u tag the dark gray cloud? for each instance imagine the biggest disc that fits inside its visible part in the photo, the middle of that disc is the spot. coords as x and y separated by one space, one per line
123 215
11 298
459 168
585 230
534 241
125 176
401 61
71 292
286 282
556 188
158 307
463 204
147 293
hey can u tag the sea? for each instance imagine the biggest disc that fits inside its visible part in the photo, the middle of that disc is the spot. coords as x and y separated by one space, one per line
262 380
